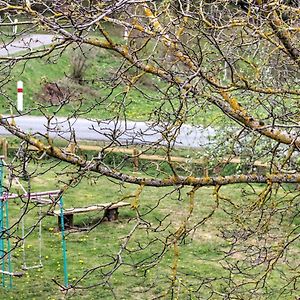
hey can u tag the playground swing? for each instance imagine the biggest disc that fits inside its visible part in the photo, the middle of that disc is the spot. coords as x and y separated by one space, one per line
39 199
25 266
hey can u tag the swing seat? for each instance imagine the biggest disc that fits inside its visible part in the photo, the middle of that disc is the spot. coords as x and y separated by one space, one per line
25 268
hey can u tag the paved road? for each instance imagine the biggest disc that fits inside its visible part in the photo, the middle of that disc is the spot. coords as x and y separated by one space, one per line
26 43
129 132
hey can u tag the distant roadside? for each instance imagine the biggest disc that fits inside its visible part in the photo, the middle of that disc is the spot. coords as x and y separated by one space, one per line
26 43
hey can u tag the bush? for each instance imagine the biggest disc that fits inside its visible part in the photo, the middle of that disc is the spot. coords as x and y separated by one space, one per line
80 61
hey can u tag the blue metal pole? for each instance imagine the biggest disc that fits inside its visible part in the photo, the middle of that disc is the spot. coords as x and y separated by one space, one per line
8 243
2 225
63 241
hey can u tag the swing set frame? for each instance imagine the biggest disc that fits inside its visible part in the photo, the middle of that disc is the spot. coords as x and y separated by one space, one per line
41 199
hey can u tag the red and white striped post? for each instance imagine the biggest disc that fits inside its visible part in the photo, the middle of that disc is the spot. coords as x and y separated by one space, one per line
20 96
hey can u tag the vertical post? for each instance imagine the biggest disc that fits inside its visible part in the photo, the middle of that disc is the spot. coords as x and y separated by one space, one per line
20 96
23 237
135 156
8 243
126 35
15 26
1 225
40 237
205 172
5 148
205 167
63 241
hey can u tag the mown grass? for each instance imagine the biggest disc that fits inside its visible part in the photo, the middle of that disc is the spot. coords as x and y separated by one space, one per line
200 253
85 249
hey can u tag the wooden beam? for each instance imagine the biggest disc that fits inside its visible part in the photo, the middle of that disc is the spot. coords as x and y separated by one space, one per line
96 207
34 195
15 274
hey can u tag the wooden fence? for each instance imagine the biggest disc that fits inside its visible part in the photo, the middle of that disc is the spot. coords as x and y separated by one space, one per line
137 155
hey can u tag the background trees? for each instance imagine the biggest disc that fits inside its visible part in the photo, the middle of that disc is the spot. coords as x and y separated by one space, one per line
233 66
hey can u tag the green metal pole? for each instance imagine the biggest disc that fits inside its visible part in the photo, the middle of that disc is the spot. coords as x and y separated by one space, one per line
2 225
8 243
63 241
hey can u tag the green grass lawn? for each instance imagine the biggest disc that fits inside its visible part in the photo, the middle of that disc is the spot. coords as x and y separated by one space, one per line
162 211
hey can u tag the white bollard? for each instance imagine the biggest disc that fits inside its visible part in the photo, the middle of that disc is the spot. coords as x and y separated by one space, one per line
20 96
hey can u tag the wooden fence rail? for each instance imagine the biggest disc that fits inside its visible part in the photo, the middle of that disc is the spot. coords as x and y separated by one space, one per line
137 155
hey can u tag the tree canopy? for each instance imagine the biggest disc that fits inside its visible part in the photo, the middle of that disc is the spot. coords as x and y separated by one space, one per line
228 65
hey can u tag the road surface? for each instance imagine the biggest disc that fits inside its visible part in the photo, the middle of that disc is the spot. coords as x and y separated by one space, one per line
27 43
126 133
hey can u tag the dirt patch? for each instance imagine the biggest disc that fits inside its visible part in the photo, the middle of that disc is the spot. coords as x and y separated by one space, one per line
65 91
54 93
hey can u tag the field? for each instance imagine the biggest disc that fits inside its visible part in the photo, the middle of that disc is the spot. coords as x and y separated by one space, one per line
145 273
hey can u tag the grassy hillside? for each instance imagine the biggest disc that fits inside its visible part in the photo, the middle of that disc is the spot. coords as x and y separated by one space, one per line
98 95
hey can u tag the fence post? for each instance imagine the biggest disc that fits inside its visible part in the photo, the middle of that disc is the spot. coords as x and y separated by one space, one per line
15 26
205 167
135 157
5 148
